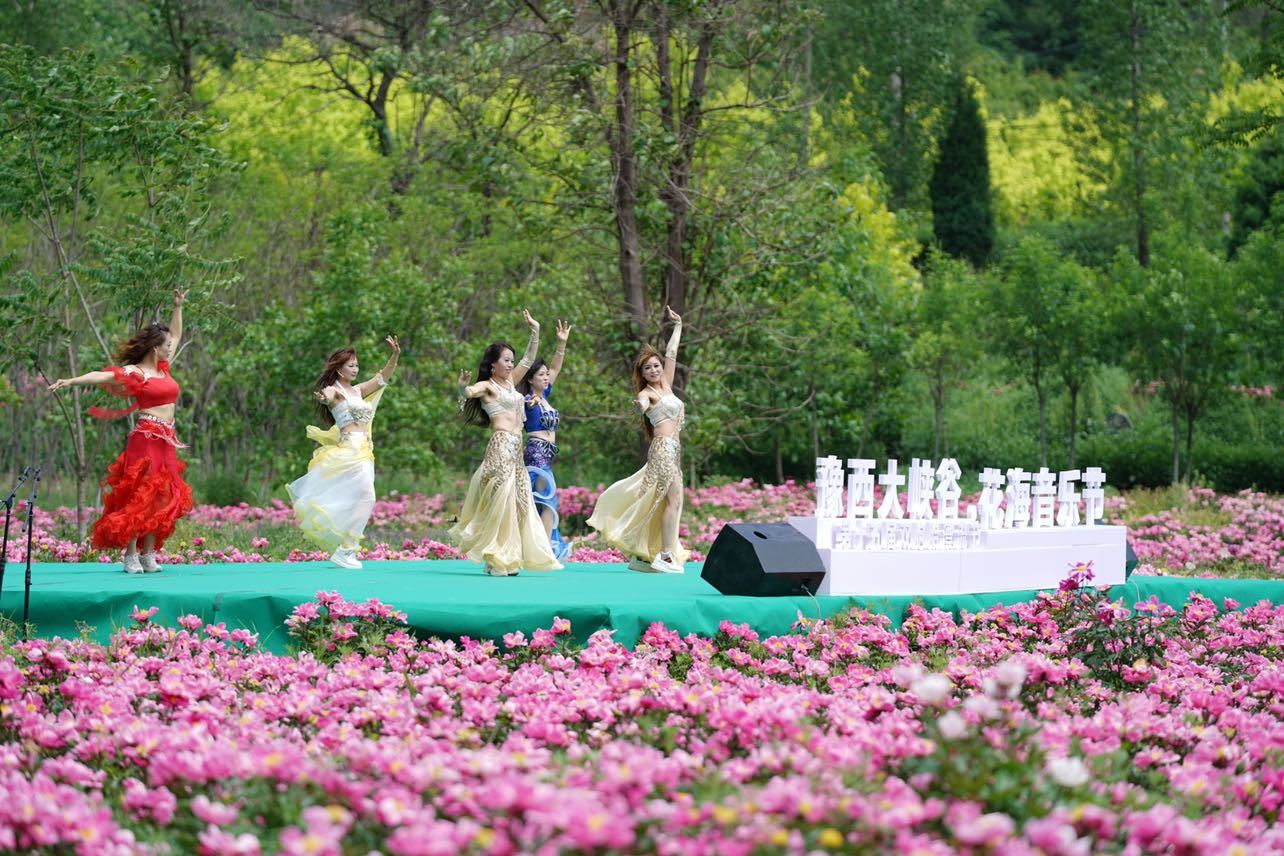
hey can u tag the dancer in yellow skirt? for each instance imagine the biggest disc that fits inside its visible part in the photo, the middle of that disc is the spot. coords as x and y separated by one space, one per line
334 500
639 515
499 524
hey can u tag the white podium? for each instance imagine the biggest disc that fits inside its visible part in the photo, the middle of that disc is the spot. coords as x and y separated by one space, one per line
961 559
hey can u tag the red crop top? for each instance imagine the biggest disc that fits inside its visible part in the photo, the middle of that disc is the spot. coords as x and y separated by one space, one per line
146 392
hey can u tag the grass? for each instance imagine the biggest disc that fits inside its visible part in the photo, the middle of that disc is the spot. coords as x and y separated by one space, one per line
1144 502
1223 569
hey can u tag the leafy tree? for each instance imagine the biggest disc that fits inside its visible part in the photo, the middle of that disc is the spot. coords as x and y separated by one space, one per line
1152 64
192 37
401 60
1262 181
76 135
962 208
647 98
1257 276
898 59
1082 334
1033 327
1045 35
944 346
1265 62
1182 321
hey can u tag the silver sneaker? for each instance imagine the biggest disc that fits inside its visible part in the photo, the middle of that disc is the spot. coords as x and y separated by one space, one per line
345 557
133 565
640 565
148 561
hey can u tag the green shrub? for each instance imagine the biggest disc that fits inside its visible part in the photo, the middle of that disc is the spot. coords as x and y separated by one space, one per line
223 488
1230 467
1129 459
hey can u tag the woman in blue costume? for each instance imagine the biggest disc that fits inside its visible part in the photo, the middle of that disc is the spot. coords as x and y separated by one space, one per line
541 438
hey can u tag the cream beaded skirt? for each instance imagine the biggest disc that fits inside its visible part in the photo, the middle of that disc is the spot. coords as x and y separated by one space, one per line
499 524
629 513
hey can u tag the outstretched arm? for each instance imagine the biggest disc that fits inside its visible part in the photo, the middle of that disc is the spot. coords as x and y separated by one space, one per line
86 379
477 390
671 350
559 354
532 348
176 322
328 396
385 373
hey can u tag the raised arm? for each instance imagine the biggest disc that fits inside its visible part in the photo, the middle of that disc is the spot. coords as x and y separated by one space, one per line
385 373
86 379
176 322
559 354
671 350
532 349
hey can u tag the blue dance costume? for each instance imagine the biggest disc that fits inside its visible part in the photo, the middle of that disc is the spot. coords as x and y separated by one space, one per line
538 456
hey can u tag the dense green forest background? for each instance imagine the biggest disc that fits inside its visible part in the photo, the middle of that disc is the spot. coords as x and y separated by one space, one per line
1016 233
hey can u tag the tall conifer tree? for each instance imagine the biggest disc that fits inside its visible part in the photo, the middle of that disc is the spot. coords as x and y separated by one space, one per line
962 204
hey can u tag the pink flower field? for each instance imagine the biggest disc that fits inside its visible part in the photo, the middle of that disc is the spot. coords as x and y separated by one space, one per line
1190 532
1068 725
1071 724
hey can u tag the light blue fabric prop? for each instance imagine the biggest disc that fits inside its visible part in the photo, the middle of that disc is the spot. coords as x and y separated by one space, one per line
544 491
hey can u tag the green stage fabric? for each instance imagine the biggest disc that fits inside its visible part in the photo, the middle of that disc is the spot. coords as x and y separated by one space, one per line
453 598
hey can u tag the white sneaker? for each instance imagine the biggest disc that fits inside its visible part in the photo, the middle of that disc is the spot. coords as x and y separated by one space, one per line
133 565
640 565
346 557
664 564
492 571
148 561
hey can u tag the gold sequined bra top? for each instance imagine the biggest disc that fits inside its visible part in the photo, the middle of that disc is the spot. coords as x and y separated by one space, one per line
668 407
507 400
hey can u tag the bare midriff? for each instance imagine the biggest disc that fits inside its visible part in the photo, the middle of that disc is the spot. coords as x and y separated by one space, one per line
668 429
507 424
160 411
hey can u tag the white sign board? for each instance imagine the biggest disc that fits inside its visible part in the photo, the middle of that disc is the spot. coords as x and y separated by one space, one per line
1027 535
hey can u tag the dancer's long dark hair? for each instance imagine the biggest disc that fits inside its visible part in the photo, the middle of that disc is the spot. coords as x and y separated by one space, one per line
473 413
527 386
329 375
141 343
639 384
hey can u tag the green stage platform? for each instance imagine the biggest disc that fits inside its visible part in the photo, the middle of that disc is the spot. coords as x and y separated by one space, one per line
453 598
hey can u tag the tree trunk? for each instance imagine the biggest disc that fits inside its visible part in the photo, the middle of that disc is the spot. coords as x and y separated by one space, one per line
1138 155
900 180
78 442
677 190
624 167
1074 423
780 464
1190 437
938 423
815 426
1043 424
868 417
1176 445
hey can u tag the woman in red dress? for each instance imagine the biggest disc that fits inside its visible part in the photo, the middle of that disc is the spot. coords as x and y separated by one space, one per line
145 492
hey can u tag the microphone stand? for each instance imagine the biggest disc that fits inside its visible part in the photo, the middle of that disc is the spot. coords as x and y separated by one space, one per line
31 525
8 515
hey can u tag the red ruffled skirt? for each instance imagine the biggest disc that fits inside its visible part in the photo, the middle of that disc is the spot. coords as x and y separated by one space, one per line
146 494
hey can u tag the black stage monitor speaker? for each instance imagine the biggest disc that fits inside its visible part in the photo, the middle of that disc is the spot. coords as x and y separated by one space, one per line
1130 559
763 559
